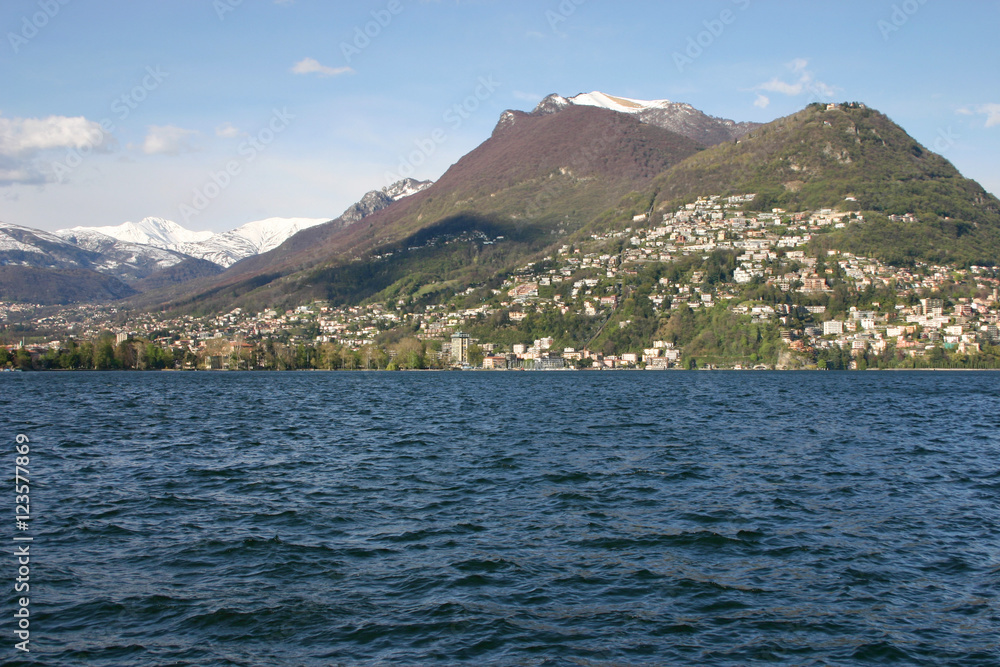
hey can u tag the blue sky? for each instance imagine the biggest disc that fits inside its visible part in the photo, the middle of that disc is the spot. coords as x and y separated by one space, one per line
213 113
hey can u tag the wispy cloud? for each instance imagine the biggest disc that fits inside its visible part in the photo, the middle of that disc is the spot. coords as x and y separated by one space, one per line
762 101
168 140
804 81
25 141
313 66
991 111
27 136
227 131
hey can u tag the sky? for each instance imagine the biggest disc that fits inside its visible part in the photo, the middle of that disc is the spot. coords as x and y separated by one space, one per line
214 113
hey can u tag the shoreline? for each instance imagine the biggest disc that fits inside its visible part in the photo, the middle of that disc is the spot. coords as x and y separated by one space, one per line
509 370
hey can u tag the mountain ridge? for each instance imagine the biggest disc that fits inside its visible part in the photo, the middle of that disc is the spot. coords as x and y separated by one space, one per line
677 117
577 166
152 254
537 175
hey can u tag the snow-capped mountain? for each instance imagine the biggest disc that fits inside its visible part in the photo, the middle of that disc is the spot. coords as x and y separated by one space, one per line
111 262
224 249
677 117
116 253
253 238
42 267
18 239
405 188
148 231
376 200
620 104
84 249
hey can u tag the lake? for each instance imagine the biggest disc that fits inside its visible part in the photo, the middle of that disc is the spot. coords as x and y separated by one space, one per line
619 518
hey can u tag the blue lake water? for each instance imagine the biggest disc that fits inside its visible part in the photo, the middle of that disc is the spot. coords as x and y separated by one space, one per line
508 518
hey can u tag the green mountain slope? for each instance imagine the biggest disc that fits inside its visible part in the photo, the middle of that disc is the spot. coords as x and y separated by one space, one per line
821 158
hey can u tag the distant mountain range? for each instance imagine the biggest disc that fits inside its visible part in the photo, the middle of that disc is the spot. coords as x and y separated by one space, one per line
224 249
136 256
572 167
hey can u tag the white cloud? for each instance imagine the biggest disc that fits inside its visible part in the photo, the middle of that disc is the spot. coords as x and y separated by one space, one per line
313 66
805 82
991 111
776 86
798 65
762 101
29 147
20 137
227 131
168 140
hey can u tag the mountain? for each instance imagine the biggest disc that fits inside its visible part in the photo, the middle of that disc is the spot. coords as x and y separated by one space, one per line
227 248
589 164
88 264
24 246
253 238
86 249
537 179
224 249
850 157
156 232
681 118
376 200
151 254
405 188
49 286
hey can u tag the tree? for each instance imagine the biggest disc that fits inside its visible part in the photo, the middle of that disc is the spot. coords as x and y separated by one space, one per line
125 355
476 355
22 359
104 355
350 359
409 353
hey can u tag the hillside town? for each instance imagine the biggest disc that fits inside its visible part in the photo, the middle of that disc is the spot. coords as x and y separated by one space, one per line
767 269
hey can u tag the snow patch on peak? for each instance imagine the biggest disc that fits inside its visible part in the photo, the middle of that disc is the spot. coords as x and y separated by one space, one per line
621 104
269 233
551 104
156 232
18 238
405 188
677 117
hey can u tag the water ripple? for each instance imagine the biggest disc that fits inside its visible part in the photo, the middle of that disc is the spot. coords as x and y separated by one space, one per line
524 519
